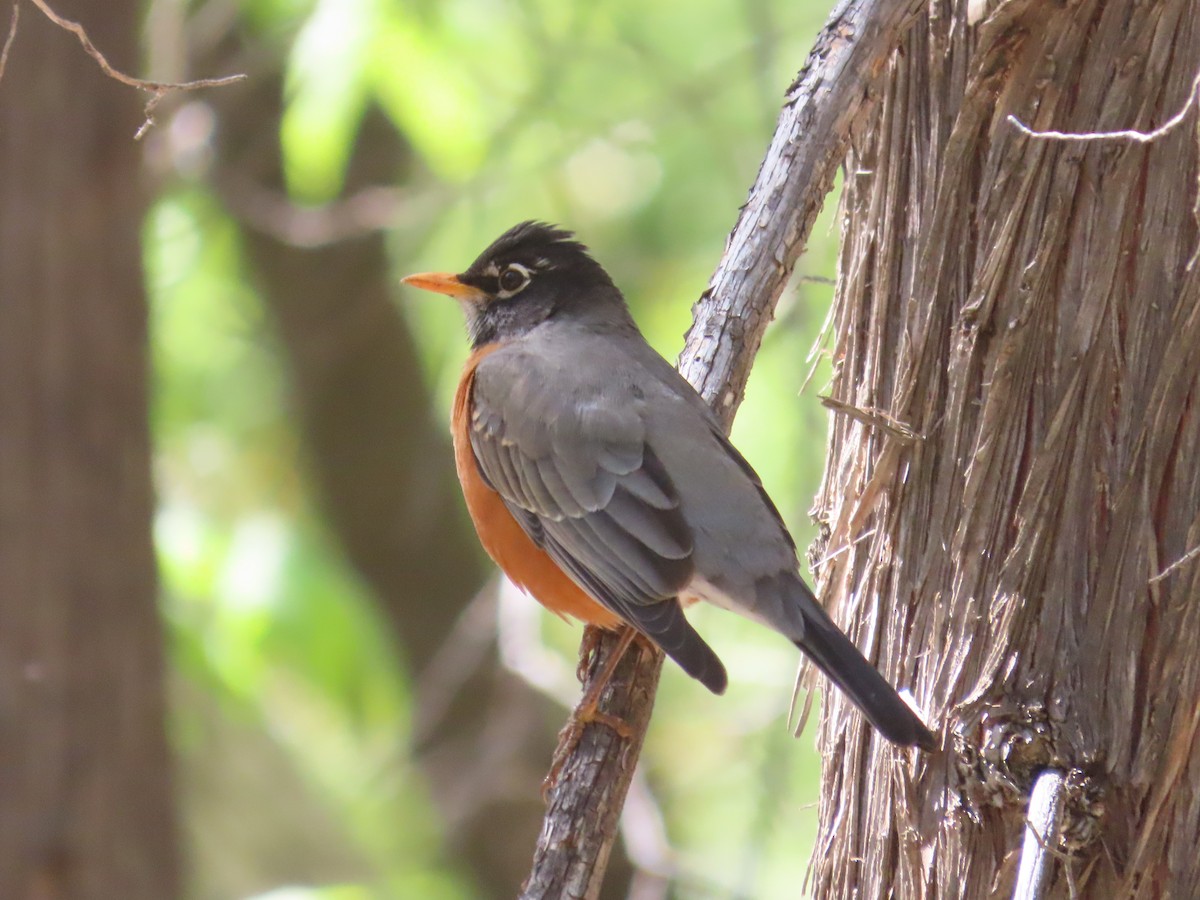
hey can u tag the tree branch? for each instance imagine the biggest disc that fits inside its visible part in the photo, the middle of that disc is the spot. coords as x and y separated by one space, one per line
1126 134
829 95
156 89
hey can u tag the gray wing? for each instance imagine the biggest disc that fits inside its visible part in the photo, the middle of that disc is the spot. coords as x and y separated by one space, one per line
571 461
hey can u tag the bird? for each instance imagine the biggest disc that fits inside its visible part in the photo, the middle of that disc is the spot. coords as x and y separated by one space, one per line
603 485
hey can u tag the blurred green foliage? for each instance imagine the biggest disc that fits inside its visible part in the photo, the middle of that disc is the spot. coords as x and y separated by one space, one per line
638 124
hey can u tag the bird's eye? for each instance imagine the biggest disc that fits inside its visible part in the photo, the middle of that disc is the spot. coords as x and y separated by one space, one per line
512 279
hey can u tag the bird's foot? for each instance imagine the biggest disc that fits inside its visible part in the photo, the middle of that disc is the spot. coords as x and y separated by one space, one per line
588 710
571 735
588 647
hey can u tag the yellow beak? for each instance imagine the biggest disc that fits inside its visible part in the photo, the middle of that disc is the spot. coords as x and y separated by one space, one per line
444 283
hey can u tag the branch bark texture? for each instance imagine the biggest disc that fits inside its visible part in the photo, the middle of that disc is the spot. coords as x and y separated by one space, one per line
829 95
1032 310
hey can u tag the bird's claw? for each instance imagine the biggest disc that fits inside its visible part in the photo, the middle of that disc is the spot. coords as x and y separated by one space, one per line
572 734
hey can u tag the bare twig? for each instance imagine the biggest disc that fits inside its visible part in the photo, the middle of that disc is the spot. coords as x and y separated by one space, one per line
12 34
1141 137
829 95
844 548
798 721
873 418
1182 561
156 89
1043 824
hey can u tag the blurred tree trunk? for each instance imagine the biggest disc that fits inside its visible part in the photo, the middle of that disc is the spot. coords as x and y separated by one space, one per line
383 471
85 788
1031 310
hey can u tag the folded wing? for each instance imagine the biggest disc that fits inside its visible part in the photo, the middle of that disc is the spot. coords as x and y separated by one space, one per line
573 466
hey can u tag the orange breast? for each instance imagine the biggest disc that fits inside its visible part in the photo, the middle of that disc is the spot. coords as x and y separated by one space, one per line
523 561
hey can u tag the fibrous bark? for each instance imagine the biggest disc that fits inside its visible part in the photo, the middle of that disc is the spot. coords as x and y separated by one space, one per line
1030 308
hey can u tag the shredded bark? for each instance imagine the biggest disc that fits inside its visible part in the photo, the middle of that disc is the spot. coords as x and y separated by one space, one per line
1030 308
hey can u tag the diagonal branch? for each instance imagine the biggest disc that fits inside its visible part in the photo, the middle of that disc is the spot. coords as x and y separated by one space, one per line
156 89
831 93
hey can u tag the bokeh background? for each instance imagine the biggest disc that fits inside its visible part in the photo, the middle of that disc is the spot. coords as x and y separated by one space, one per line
359 709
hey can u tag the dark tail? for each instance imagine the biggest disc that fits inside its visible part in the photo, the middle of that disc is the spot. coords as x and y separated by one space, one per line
665 624
834 654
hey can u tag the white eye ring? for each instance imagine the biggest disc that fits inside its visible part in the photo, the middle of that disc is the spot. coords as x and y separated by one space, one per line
513 280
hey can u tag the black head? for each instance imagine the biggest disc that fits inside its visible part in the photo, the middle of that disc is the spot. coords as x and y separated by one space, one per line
532 273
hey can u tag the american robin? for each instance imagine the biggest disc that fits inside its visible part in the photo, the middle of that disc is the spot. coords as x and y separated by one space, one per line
603 485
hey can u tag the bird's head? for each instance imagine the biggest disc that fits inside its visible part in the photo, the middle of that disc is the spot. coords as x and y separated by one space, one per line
532 273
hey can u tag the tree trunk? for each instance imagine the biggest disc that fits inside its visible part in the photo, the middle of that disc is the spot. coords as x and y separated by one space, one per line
86 807
1029 309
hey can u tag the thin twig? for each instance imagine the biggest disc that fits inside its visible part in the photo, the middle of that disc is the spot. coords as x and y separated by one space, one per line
1182 561
12 34
834 554
798 721
156 89
1141 137
874 418
1043 824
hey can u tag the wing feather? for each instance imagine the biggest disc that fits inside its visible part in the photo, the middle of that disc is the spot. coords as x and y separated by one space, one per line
574 467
